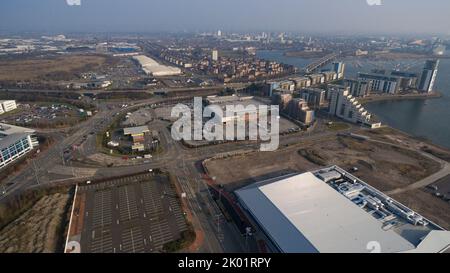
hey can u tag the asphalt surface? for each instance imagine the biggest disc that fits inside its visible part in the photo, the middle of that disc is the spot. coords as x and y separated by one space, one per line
137 214
206 214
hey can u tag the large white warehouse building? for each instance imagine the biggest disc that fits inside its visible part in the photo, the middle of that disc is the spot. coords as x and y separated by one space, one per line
153 68
331 211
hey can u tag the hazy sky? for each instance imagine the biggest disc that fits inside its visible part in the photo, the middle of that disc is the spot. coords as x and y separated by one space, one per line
324 16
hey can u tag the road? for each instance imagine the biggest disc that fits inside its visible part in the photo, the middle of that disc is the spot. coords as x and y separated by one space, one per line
218 233
180 161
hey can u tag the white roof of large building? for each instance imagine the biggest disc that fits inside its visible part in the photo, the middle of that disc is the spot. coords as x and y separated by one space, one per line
9 134
152 67
136 130
7 129
226 99
302 213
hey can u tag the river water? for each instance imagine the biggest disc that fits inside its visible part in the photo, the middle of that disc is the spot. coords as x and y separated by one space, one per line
428 119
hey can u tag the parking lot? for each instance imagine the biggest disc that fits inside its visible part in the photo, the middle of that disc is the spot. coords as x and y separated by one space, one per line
137 214
44 115
441 189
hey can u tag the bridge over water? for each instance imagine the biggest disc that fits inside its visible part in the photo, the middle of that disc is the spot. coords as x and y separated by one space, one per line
321 62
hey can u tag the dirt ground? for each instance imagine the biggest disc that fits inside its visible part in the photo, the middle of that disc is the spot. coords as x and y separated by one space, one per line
54 68
426 204
388 134
38 229
235 172
380 165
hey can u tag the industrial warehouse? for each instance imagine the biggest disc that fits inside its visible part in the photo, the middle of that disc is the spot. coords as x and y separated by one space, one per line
153 68
332 211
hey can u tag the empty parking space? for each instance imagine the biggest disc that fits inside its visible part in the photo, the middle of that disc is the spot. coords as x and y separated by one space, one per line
102 214
132 240
127 204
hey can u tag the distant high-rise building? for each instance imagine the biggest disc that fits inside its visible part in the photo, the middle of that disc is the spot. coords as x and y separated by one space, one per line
339 69
428 78
215 55
219 33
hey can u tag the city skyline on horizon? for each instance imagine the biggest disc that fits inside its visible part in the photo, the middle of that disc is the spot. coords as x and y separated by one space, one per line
400 17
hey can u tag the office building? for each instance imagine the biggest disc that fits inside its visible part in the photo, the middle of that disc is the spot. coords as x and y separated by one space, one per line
332 211
14 143
345 106
428 77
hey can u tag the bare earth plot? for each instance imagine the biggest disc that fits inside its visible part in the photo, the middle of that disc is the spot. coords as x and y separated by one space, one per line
38 230
379 165
388 134
53 68
235 172
382 166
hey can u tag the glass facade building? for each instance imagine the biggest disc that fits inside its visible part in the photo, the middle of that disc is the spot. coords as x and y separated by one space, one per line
15 142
